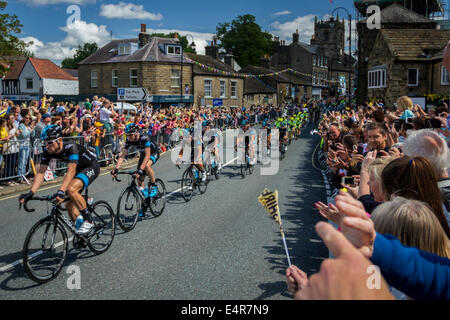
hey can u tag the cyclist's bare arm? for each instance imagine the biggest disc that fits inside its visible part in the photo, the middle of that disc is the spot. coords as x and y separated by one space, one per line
39 179
122 156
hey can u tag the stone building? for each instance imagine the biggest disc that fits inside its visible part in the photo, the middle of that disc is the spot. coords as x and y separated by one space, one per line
257 92
156 64
393 17
407 63
222 87
279 82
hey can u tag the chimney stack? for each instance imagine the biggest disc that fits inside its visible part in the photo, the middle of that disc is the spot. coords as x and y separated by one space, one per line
144 38
295 36
212 50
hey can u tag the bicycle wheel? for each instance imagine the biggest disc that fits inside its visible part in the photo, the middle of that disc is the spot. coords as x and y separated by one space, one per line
250 168
243 170
158 202
45 250
128 207
103 217
187 185
202 185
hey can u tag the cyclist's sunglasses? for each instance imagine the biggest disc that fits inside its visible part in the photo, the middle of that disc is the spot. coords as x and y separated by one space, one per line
50 142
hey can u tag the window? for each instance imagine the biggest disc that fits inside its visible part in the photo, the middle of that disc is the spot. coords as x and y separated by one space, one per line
314 60
175 78
413 77
326 62
173 50
377 79
208 85
223 89
124 48
94 79
234 89
133 77
29 83
115 78
445 79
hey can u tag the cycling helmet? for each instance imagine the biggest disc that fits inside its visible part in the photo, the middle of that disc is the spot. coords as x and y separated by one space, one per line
51 132
132 128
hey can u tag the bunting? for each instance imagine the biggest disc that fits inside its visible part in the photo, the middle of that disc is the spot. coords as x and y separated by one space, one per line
247 75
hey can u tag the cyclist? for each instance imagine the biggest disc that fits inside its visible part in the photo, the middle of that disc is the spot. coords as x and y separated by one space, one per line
82 170
149 155
266 126
283 134
249 141
197 149
214 141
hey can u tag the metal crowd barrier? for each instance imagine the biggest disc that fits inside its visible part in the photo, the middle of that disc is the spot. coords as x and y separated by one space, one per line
14 159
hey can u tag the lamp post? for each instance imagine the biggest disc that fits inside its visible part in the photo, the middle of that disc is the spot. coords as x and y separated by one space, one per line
350 46
192 45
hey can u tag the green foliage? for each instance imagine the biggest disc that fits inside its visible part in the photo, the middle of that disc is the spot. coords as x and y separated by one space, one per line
246 40
10 45
184 40
82 53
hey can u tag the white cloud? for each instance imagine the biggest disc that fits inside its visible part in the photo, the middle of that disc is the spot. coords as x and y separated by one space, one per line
47 2
281 13
78 33
305 26
127 11
201 40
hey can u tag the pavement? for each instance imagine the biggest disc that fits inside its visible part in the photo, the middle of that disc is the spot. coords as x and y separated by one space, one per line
220 245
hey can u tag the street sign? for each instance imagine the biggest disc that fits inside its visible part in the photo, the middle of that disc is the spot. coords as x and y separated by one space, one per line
217 102
131 94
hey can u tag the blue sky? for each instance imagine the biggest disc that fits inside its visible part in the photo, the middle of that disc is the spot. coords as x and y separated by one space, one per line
45 21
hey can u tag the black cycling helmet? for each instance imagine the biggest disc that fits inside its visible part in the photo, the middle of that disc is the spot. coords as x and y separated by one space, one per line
132 128
51 132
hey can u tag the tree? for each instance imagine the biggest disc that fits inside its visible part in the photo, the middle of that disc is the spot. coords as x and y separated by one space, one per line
10 45
246 40
82 53
183 39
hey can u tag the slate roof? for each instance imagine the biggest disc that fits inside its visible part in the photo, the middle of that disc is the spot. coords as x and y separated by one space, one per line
153 51
257 86
415 44
211 62
396 13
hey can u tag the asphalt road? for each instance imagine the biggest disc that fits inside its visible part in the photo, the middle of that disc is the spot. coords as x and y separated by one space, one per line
220 245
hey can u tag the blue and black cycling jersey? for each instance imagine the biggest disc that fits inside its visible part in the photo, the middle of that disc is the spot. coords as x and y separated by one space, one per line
141 144
72 153
87 169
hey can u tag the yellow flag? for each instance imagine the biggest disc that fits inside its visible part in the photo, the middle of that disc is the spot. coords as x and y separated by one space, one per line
269 201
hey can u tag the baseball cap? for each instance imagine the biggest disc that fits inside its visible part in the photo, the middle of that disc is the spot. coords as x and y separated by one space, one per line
46 115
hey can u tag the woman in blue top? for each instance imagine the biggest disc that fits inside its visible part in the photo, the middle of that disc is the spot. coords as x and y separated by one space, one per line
26 131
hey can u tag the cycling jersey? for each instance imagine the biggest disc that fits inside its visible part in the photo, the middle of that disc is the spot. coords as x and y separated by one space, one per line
72 153
141 144
87 169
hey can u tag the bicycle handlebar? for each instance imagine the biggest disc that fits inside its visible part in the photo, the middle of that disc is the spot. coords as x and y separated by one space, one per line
130 173
47 198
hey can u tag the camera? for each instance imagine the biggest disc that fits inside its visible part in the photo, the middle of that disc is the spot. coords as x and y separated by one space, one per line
348 180
433 123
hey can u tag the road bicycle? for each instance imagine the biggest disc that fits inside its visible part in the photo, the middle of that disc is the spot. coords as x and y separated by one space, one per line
191 180
212 168
247 166
282 150
132 204
46 244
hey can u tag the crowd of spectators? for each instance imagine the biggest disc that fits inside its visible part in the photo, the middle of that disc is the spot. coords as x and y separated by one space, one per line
98 122
392 166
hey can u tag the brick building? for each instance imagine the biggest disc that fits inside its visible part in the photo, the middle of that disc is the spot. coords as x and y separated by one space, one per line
156 64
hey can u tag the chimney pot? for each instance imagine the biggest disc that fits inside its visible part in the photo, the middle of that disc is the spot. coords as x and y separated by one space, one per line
143 28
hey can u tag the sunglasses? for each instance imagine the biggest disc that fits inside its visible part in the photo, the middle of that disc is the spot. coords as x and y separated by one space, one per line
50 142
